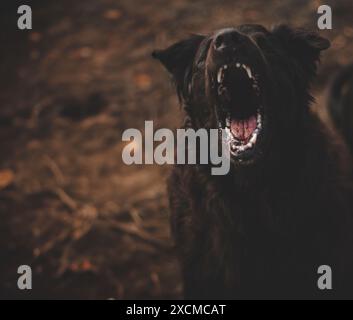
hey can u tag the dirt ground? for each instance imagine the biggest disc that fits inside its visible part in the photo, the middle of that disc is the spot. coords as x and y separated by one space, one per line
88 225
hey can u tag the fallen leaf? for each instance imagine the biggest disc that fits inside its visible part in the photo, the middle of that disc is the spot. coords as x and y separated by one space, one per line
348 32
339 42
143 81
74 267
86 266
6 178
33 145
252 14
112 14
35 37
85 52
82 53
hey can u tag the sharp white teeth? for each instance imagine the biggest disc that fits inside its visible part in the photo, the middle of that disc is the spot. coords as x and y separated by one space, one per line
219 75
253 139
248 70
228 133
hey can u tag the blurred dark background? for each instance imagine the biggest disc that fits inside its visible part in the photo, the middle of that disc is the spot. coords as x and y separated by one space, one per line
88 225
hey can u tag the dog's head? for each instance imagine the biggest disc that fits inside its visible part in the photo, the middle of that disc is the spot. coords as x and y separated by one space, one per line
250 81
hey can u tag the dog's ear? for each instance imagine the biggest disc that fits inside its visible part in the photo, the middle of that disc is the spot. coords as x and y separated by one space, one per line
301 44
178 57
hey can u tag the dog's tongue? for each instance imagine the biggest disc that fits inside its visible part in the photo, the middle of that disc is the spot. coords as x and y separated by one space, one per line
243 129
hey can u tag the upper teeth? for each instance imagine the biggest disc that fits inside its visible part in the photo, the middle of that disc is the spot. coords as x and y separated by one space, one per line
220 74
248 70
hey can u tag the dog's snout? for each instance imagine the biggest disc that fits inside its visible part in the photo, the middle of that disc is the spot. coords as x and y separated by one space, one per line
228 40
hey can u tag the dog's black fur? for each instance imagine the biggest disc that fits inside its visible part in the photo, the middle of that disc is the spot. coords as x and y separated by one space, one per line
341 103
263 230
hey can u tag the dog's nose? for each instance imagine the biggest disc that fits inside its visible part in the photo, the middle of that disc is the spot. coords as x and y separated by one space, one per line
227 40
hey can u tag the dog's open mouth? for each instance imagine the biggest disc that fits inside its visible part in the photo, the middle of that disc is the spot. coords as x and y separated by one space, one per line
241 112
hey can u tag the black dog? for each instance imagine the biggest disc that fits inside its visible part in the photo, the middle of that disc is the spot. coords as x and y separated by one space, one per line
285 208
